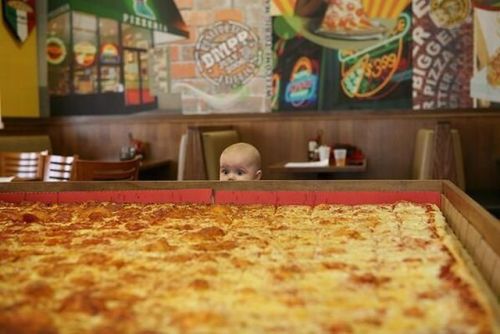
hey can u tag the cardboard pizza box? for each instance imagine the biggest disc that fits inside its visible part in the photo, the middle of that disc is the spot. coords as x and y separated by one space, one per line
475 228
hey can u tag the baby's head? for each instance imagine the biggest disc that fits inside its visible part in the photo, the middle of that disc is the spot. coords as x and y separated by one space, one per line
240 162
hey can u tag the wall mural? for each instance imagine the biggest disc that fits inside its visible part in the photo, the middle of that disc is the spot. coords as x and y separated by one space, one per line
420 54
362 48
272 55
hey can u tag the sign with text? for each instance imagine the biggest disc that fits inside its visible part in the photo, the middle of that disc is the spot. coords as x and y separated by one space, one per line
228 54
442 55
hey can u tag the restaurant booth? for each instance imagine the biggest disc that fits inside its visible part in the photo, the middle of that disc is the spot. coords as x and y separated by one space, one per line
103 55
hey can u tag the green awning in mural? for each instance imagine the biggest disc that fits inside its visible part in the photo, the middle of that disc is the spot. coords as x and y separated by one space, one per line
158 15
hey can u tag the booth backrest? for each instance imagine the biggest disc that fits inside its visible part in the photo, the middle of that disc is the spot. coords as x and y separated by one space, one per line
214 142
203 149
31 143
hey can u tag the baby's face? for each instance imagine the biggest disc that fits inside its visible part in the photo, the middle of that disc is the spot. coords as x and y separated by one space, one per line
233 168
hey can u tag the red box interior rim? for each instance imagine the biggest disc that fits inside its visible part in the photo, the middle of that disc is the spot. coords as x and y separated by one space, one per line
208 196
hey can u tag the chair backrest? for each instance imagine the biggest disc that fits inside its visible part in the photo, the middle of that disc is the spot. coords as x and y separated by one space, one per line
438 157
58 167
22 165
214 142
98 170
182 157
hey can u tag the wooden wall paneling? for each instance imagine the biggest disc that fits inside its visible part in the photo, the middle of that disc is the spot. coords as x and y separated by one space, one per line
374 144
397 147
159 144
387 138
368 136
280 140
496 159
478 142
345 130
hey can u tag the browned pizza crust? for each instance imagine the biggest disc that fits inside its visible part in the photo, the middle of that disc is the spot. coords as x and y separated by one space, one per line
164 268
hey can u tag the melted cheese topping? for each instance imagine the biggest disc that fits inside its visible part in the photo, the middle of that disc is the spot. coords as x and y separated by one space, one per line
164 268
345 15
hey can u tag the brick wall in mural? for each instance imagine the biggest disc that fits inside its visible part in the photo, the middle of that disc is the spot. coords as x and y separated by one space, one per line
224 66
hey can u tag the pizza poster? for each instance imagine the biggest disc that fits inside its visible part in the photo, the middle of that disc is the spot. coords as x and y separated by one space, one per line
442 54
375 77
419 54
365 49
485 83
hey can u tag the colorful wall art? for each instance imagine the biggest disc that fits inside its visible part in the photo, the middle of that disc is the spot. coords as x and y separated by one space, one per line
420 54
272 55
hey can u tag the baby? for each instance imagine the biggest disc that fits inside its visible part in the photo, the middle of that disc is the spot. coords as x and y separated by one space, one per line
240 162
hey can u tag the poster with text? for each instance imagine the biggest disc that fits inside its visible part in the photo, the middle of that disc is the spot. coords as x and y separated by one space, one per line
485 83
225 66
295 74
442 54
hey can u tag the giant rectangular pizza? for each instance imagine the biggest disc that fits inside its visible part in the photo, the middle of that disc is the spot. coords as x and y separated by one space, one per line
191 268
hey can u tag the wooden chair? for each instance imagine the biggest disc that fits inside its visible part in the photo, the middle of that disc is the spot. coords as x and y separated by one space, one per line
438 155
22 165
98 170
58 167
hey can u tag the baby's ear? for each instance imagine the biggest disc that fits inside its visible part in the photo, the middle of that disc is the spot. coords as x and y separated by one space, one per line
258 174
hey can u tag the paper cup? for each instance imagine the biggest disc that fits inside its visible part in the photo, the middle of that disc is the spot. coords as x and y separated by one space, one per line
324 152
340 156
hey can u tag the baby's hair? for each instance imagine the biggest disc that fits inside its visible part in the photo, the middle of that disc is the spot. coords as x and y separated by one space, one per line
246 149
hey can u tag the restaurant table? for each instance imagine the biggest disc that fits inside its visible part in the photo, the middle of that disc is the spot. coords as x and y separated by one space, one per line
323 172
155 169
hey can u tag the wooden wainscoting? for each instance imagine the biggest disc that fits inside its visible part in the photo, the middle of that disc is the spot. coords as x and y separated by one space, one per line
387 138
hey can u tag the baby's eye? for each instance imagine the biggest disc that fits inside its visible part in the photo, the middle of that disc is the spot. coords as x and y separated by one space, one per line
240 172
224 171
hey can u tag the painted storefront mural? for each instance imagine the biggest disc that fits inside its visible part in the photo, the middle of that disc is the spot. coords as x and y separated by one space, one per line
108 57
123 56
